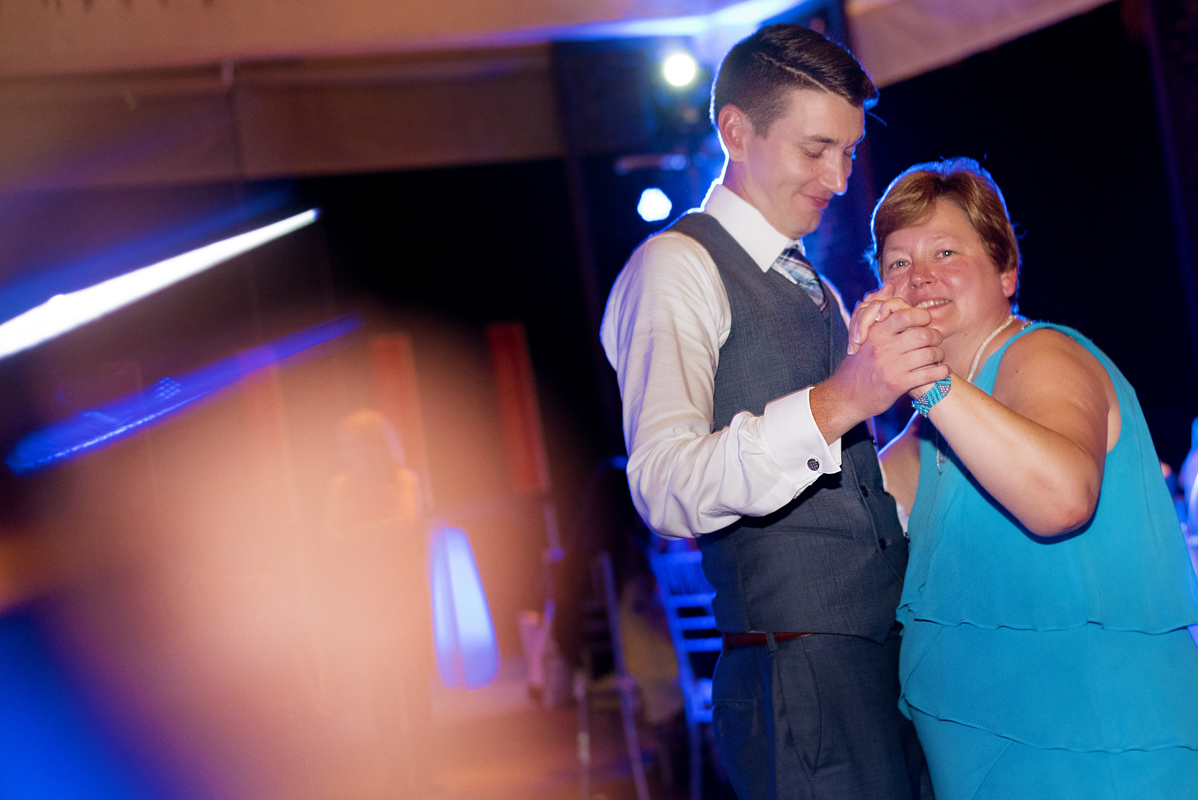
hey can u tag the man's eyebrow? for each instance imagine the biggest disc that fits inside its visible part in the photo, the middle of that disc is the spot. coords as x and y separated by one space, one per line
818 139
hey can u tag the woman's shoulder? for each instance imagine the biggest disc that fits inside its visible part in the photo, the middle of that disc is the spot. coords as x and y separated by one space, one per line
1049 348
1056 374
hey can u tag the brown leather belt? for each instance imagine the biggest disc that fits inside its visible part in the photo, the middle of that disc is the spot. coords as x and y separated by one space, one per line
755 638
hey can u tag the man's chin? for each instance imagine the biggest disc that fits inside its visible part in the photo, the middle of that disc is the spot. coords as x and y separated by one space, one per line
805 225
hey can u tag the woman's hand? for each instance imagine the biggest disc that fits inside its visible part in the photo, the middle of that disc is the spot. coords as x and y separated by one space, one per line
873 308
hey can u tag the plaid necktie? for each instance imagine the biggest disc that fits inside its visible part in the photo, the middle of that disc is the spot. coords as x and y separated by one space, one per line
795 264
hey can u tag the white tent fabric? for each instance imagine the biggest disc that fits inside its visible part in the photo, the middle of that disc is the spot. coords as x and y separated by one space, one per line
899 39
245 113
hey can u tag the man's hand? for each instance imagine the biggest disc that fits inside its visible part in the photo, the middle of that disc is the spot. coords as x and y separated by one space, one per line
897 353
873 308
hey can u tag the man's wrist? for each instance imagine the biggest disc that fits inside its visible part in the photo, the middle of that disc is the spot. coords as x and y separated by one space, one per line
832 410
793 437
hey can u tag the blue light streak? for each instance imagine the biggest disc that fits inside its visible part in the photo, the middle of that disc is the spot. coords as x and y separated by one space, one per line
39 282
65 312
102 426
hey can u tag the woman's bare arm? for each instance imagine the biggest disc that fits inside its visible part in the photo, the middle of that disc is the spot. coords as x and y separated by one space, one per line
1039 445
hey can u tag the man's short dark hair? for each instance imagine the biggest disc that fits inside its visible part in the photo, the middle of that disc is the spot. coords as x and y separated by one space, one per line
759 72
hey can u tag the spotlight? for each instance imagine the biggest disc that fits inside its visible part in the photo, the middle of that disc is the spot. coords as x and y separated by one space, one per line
680 69
654 206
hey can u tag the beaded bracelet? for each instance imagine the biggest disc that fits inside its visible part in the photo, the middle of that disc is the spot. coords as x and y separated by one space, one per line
923 404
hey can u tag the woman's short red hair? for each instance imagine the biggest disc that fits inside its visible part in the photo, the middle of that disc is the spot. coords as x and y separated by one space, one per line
911 197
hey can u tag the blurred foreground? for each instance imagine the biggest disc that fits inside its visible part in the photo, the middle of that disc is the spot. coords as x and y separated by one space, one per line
234 602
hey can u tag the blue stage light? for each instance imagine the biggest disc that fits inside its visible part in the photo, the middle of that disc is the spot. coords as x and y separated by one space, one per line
99 427
463 632
654 206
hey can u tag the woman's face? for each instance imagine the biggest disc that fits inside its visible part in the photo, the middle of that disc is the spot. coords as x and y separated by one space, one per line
942 265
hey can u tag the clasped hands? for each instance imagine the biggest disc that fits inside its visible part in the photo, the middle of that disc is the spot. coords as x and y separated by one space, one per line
892 351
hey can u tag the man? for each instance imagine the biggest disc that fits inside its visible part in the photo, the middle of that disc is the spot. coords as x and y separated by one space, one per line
744 425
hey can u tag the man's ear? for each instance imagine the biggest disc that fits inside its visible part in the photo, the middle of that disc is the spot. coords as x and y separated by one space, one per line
735 128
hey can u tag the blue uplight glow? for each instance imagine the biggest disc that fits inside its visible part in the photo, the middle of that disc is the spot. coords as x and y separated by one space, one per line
99 427
463 633
53 747
654 206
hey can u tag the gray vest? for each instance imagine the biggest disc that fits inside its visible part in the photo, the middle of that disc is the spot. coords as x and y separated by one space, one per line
831 560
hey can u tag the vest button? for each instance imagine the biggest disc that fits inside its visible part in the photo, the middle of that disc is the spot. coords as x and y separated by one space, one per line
883 543
864 490
813 464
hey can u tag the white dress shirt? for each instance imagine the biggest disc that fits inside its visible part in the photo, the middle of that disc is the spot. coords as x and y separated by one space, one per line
666 319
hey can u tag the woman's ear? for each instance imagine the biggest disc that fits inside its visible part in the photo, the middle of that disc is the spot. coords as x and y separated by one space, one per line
1010 282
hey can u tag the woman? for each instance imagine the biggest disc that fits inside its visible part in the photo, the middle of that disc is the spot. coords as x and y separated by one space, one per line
1045 651
377 633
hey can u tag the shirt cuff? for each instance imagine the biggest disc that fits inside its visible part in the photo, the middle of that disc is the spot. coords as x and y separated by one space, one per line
795 440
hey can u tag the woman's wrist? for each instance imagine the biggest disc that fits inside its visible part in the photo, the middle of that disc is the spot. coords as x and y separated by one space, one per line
924 397
920 391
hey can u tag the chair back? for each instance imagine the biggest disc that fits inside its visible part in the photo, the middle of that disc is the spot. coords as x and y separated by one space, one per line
686 597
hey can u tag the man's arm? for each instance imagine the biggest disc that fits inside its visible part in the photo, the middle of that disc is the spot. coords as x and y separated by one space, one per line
662 331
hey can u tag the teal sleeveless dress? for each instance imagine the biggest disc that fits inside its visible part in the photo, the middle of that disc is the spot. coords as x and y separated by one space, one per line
1052 668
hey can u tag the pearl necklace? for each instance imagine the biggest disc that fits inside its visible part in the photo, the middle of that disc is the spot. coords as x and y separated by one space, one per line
978 355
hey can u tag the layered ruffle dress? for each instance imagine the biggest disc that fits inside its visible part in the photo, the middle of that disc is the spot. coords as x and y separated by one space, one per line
1052 668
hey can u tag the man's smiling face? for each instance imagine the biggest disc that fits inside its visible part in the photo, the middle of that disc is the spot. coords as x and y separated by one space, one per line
803 160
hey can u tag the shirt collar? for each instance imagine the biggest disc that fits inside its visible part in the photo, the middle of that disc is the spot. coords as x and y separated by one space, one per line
748 226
